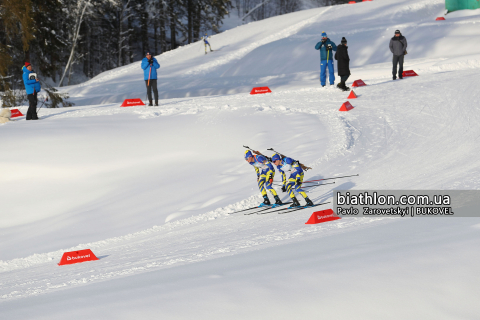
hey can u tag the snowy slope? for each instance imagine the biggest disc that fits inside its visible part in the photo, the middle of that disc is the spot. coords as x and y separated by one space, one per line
150 190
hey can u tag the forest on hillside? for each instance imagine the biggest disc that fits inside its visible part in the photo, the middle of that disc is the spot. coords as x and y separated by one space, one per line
69 41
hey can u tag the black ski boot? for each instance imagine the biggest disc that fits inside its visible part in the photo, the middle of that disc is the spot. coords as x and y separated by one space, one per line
295 203
277 200
309 202
150 104
266 201
156 103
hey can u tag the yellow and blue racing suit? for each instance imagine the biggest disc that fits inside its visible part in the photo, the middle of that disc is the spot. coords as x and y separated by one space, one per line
295 179
265 174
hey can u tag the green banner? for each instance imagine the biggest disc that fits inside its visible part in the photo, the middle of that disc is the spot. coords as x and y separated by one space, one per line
454 5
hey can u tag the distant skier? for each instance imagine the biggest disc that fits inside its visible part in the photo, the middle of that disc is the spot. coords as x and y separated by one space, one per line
265 173
150 66
398 46
205 40
32 86
295 179
343 64
326 46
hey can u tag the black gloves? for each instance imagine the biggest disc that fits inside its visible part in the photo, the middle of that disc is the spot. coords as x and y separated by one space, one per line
284 189
329 46
150 61
323 40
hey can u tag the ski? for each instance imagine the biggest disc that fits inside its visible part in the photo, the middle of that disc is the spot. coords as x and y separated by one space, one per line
256 207
263 209
304 207
276 206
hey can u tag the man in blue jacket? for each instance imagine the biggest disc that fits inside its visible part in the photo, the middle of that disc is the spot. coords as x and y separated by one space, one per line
150 66
326 47
32 86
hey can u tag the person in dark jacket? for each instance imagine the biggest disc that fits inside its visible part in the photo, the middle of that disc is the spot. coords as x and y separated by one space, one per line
326 47
343 64
150 66
32 86
398 46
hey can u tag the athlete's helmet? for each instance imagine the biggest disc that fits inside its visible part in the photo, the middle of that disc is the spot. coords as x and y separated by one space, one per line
248 154
276 157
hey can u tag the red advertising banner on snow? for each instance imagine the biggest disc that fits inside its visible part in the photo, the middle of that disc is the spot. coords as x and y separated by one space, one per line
322 216
409 73
358 83
132 102
15 113
77 256
259 90
440 18
347 106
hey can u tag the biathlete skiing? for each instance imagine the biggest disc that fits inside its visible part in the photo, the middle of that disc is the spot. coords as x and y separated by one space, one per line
265 174
295 180
205 41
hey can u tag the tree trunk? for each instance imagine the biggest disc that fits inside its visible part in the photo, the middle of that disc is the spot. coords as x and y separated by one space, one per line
190 20
74 44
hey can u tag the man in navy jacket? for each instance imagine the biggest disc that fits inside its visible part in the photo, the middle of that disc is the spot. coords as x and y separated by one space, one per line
32 86
326 47
150 66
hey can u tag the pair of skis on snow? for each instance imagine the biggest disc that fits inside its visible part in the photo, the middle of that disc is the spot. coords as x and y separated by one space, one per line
267 208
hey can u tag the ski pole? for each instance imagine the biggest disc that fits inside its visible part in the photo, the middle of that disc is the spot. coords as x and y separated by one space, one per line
46 99
355 175
317 185
149 73
313 185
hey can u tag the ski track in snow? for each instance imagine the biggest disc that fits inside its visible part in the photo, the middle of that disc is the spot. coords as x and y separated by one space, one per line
200 238
380 128
239 54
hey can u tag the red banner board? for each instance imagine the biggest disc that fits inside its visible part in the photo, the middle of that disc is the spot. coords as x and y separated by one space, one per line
409 73
77 256
346 107
15 113
440 18
322 216
352 95
259 90
351 2
132 102
358 83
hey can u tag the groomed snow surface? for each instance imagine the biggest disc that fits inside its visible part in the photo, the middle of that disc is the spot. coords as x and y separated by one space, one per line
151 189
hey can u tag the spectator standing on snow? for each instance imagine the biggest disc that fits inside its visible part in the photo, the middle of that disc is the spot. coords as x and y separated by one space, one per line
32 86
343 64
150 66
398 46
326 46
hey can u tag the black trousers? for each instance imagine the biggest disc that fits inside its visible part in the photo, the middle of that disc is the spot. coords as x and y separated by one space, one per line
397 60
344 78
153 85
32 107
